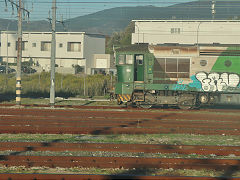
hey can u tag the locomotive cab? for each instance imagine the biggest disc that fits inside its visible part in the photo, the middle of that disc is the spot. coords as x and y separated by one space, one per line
125 77
130 71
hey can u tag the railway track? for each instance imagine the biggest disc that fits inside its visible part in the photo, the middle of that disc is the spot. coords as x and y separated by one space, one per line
103 177
143 148
188 115
55 121
230 165
83 121
227 109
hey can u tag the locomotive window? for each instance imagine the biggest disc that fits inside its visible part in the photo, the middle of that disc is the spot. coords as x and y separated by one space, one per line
129 59
121 59
139 59
159 65
140 62
171 68
183 65
171 65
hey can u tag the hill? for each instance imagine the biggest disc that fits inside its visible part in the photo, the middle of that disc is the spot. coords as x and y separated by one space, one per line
116 19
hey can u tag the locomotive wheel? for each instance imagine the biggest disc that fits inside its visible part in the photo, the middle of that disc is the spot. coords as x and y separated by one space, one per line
149 99
186 104
119 102
143 105
128 104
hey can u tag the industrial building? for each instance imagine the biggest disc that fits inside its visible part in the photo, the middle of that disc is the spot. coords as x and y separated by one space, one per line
186 32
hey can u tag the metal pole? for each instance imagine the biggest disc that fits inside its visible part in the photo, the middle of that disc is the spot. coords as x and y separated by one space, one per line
198 31
84 84
111 82
19 55
213 10
7 47
7 56
138 32
53 54
7 64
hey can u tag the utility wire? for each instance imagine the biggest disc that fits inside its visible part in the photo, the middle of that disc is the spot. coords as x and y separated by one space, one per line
178 10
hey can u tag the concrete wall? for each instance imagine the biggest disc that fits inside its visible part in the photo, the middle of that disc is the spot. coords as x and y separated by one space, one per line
93 45
64 70
102 61
186 32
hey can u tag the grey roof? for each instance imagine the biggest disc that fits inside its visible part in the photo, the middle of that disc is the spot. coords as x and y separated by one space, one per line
134 48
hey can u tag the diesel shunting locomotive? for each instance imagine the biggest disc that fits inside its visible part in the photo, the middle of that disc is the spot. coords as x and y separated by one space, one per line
181 75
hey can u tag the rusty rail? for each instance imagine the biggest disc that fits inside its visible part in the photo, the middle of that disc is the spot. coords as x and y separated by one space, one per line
112 130
189 115
103 177
229 108
118 162
98 121
146 148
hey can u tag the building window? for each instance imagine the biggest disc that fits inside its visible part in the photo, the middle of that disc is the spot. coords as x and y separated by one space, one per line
175 30
34 44
24 45
74 46
60 45
9 44
45 46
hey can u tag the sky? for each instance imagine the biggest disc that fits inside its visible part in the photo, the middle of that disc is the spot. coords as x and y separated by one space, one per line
66 9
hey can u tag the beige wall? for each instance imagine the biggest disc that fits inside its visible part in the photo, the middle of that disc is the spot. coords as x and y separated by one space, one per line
105 58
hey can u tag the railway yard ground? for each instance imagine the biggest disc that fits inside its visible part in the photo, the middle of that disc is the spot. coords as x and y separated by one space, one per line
94 139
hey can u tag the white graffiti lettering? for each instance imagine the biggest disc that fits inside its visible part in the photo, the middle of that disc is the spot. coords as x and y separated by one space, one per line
217 82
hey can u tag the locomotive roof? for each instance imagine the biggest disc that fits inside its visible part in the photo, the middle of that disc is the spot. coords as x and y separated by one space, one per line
134 48
145 48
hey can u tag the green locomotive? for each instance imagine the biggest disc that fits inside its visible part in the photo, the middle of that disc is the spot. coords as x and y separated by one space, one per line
182 75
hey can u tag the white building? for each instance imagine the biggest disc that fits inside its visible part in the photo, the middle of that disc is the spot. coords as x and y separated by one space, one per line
72 48
103 63
186 31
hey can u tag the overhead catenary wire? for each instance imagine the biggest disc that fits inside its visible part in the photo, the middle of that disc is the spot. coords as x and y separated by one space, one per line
85 7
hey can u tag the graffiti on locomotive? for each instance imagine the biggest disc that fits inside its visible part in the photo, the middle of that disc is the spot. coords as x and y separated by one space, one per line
212 82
